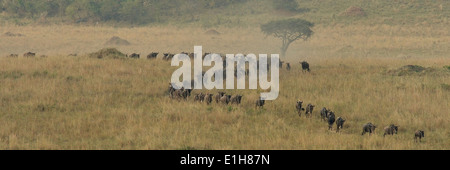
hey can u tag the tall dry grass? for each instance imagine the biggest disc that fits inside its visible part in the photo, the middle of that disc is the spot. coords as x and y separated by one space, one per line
63 102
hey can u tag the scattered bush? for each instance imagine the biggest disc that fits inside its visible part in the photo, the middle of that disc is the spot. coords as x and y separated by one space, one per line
111 53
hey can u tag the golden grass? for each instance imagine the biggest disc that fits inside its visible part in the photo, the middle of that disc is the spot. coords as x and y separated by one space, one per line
63 102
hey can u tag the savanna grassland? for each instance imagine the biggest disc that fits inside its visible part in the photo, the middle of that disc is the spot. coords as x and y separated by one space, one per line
68 102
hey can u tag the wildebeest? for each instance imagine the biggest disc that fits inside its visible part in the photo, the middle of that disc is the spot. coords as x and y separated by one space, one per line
29 54
197 97
152 55
202 97
288 66
281 64
419 134
13 55
185 94
390 130
309 110
369 127
168 56
134 55
339 123
299 108
331 119
236 99
177 93
225 99
218 96
260 102
73 55
171 90
305 66
208 98
324 113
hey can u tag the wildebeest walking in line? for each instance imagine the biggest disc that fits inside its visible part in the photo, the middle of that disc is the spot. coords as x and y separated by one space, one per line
309 110
152 55
168 56
225 99
171 90
29 54
199 97
236 99
339 123
299 108
134 55
390 130
218 96
13 55
260 102
324 113
419 134
369 127
331 119
305 66
208 98
288 66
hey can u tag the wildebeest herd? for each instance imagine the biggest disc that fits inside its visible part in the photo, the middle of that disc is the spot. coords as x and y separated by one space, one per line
326 114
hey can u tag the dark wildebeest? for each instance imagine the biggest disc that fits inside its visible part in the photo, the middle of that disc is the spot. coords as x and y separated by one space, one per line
189 91
331 119
339 123
288 66
309 110
152 55
171 90
167 56
177 93
390 130
281 64
305 66
218 96
13 55
419 134
236 99
29 54
260 102
208 98
134 55
299 108
202 97
185 94
225 99
324 113
369 127
73 55
197 97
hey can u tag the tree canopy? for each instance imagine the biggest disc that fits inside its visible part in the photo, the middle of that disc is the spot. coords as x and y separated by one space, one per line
288 31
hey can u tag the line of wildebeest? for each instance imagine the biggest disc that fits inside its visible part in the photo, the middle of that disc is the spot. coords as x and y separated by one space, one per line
222 98
325 114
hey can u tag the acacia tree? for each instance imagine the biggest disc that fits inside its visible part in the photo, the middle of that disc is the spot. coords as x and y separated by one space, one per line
288 31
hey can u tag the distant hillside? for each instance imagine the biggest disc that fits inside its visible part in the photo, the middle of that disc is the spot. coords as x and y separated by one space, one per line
228 13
